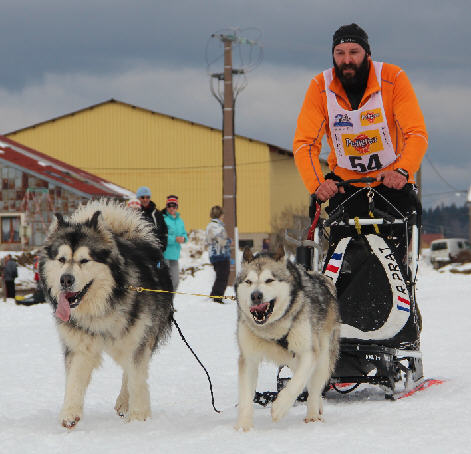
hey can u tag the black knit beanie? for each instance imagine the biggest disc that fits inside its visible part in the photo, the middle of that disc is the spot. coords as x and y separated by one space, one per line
352 33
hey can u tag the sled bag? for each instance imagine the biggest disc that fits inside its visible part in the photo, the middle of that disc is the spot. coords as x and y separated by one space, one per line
375 299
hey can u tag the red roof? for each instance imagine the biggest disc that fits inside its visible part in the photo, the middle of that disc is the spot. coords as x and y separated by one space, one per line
57 172
427 238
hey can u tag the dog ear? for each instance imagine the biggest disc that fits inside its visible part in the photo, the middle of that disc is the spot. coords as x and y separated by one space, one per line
279 253
60 220
57 222
247 256
94 221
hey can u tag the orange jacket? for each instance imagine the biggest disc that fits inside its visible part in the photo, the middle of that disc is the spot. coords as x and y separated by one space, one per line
405 121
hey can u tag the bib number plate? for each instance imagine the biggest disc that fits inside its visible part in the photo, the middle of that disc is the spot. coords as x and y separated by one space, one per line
373 163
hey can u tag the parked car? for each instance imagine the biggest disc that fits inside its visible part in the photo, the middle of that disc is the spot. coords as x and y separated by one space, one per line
445 250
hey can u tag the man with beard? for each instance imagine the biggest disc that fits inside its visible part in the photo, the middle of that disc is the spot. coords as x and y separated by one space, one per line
374 128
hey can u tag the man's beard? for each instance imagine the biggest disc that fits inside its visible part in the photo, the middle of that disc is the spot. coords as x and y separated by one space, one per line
356 81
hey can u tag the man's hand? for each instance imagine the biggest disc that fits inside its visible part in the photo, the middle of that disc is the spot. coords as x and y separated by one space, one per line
328 189
180 239
392 179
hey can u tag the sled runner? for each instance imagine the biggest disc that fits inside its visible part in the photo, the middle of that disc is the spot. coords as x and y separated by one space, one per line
373 262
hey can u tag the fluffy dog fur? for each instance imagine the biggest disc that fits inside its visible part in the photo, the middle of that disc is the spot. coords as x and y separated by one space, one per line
288 316
87 264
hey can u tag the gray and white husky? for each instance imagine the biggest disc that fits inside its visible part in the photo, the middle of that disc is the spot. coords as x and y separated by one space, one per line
87 264
288 316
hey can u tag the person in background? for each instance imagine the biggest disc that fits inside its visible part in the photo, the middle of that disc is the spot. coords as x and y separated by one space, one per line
153 215
10 273
219 251
266 244
176 237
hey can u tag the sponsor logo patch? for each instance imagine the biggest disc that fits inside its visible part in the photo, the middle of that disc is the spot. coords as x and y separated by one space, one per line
371 117
343 120
361 144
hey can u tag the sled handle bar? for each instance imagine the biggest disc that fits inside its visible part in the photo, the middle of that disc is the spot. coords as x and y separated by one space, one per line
357 180
342 183
368 221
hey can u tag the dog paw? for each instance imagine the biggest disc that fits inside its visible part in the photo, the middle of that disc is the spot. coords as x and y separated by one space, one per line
243 425
313 419
280 407
70 416
314 411
121 408
69 420
139 415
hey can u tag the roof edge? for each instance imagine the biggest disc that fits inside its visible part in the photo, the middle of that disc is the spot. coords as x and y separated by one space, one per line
112 100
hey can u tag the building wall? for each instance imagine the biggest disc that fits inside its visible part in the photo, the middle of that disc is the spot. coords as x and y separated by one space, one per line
285 195
133 147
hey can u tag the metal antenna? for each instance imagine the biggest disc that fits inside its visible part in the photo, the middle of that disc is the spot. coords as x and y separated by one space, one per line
225 87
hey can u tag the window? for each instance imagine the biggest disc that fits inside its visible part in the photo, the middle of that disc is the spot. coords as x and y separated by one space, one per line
11 229
245 243
439 246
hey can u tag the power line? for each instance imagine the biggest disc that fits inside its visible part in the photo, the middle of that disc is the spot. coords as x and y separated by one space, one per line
439 175
208 167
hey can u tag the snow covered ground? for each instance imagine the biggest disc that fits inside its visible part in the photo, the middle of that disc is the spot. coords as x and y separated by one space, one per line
32 386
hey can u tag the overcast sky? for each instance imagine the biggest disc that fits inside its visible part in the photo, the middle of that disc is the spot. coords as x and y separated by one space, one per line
58 56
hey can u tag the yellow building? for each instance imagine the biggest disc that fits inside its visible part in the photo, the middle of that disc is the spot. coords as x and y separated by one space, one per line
133 147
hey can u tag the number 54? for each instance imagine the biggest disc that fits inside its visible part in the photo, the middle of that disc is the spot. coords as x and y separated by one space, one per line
373 163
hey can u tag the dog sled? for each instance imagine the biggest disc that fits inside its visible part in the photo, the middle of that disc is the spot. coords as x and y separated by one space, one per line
373 261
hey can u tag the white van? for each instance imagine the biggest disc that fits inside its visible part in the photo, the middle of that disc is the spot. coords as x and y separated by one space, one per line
442 251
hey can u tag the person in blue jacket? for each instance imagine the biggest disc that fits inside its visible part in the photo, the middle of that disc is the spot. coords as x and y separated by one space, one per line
176 237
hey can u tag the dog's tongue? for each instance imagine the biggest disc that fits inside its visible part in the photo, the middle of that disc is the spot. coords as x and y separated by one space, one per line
63 307
262 307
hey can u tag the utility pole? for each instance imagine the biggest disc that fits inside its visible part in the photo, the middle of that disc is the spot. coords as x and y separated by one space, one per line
229 175
227 97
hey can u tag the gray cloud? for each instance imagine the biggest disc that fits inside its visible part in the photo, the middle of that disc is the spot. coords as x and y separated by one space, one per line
62 56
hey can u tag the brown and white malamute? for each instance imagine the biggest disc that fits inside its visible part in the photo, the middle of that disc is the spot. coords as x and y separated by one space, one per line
288 316
87 264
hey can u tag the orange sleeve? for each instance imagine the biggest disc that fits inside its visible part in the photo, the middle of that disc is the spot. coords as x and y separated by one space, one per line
308 136
411 125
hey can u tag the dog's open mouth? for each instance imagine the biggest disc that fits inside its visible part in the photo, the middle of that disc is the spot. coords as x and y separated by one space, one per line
261 312
70 300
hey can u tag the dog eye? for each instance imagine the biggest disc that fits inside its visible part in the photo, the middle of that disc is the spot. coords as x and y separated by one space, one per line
62 260
84 261
248 282
268 281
